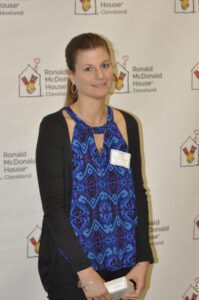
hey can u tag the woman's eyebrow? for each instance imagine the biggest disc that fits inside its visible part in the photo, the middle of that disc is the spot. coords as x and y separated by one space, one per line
106 60
88 65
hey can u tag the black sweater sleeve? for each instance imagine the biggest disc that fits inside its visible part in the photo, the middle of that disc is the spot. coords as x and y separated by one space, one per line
51 177
144 252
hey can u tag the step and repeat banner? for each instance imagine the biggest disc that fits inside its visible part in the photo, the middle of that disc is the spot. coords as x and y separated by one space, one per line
157 60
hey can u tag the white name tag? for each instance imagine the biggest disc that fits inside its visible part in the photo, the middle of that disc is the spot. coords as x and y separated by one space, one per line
120 158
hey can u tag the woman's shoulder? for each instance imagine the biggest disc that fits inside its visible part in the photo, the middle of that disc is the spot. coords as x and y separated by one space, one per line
53 121
121 116
52 117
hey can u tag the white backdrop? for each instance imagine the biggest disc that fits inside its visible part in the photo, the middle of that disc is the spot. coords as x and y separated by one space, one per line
157 48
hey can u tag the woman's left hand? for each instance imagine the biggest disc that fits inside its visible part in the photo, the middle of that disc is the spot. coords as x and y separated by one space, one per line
139 275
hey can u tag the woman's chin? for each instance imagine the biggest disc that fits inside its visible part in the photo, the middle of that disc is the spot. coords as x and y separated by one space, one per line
101 93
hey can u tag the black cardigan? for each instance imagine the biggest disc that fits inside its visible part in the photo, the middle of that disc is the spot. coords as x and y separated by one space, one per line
53 161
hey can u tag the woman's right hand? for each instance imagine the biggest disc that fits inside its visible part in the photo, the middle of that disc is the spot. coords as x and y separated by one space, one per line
95 289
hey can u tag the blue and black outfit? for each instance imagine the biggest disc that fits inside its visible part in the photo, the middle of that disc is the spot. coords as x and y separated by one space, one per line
95 213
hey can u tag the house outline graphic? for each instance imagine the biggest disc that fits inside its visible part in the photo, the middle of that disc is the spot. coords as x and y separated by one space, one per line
182 155
28 71
79 10
190 291
194 80
119 67
178 8
37 231
195 228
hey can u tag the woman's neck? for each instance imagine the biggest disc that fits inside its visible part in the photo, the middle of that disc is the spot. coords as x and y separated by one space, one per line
94 113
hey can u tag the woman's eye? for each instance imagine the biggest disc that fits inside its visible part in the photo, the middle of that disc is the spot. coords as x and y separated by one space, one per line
88 69
105 65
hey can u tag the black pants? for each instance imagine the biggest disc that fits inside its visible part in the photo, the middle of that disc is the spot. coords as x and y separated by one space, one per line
63 282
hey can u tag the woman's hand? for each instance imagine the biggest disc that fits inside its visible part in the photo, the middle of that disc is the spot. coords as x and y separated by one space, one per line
137 274
95 289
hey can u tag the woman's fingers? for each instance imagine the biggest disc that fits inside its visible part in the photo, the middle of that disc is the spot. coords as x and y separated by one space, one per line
97 293
105 297
126 297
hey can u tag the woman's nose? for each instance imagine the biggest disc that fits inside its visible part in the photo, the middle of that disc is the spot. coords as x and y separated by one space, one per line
99 73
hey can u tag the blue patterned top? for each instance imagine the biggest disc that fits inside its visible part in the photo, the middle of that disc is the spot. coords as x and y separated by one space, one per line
103 209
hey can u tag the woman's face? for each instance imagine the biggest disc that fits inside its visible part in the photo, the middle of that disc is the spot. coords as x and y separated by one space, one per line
93 74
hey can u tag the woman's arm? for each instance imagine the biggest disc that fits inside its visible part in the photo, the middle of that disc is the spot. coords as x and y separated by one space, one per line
144 252
51 177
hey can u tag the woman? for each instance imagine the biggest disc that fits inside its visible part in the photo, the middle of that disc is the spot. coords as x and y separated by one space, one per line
95 225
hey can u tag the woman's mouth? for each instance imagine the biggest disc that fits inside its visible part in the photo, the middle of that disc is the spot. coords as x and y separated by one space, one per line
99 85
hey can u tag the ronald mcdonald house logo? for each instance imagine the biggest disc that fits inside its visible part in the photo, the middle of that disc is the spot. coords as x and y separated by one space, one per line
33 242
192 292
184 6
196 228
30 81
195 77
85 7
34 83
121 76
189 151
100 7
136 79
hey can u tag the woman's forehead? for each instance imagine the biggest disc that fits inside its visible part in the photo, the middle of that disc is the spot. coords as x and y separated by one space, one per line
92 56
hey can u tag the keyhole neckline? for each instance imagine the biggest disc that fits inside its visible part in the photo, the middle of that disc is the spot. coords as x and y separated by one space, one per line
95 129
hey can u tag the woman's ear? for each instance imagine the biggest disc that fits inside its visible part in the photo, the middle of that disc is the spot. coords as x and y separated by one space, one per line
70 75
